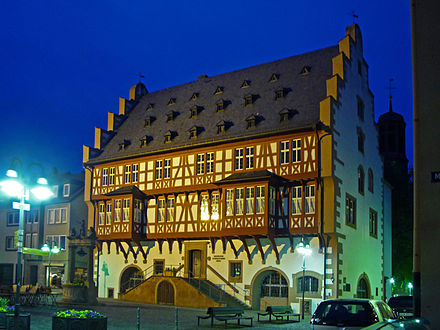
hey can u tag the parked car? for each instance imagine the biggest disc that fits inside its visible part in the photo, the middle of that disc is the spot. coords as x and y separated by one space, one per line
350 314
402 306
416 323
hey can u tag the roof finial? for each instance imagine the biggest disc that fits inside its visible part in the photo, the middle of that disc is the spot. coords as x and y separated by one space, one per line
390 95
141 76
355 16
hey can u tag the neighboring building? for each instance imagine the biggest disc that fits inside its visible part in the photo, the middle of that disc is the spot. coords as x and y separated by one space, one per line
47 222
392 148
209 187
64 214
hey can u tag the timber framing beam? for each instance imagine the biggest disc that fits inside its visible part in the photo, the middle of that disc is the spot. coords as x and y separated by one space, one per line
260 248
141 248
246 248
274 247
213 241
170 244
232 246
120 247
130 249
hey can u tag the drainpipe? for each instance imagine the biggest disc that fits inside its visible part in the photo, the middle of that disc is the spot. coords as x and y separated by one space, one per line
321 183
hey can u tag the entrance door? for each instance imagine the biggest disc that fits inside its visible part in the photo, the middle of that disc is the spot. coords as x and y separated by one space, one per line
165 293
33 278
195 263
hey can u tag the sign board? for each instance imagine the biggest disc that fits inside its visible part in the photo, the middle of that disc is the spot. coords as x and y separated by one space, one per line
16 206
435 176
35 252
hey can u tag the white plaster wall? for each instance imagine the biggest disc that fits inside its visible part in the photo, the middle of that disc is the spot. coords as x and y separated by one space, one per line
361 252
290 263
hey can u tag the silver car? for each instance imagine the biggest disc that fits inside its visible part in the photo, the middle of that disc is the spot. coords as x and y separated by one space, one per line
350 314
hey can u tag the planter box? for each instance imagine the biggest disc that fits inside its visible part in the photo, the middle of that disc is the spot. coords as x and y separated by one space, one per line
23 321
65 323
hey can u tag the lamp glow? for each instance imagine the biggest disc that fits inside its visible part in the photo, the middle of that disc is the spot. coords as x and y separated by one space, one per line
45 248
304 249
41 192
11 174
392 280
12 188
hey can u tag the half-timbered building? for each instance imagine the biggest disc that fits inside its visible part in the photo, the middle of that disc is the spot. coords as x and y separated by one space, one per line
200 194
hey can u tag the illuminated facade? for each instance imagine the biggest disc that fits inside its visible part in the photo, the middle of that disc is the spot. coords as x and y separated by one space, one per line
207 188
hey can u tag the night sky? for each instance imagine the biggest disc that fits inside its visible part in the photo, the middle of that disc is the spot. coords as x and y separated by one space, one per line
63 64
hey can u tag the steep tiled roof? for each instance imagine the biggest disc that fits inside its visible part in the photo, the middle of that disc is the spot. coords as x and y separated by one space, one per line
302 92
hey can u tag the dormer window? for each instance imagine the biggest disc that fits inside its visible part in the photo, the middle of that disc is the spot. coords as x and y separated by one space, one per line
172 101
194 111
221 127
148 121
279 94
171 115
123 145
169 136
194 97
245 84
218 90
145 140
274 77
251 121
66 190
248 100
284 115
194 132
150 106
305 70
220 105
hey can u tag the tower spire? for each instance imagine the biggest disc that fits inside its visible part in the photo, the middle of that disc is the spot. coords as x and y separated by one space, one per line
390 95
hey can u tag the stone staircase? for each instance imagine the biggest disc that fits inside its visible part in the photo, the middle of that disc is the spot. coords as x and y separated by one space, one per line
215 293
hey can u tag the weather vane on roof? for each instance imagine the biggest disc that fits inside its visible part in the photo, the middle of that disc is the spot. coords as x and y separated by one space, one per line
390 88
355 16
390 95
141 76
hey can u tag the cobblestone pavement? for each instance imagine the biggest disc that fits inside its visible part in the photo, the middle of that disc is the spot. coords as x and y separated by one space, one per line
123 316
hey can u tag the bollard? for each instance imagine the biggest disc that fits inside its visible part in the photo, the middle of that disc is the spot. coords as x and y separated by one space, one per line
177 318
138 319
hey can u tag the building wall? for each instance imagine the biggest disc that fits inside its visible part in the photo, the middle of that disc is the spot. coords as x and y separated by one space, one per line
290 266
359 253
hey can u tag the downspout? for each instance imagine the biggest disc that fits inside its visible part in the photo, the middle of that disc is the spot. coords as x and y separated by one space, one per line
321 184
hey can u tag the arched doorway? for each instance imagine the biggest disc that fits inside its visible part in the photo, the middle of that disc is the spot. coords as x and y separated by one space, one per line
165 293
363 287
130 278
270 287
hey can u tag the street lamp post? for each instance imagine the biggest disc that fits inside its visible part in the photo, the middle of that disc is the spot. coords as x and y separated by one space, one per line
21 187
304 250
46 248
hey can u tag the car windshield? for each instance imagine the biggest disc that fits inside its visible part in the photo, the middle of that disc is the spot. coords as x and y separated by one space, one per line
351 313
396 302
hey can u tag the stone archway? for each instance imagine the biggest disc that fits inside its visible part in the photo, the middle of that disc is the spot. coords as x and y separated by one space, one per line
165 293
363 289
269 287
131 276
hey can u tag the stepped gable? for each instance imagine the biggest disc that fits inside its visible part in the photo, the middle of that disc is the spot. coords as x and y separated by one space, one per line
262 90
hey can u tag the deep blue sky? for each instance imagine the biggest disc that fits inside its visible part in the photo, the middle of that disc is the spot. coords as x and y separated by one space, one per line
63 64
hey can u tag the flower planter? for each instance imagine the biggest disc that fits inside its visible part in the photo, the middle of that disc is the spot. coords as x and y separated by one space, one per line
23 323
75 294
73 323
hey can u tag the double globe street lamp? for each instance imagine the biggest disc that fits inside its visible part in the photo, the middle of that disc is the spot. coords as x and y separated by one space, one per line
304 250
53 250
23 187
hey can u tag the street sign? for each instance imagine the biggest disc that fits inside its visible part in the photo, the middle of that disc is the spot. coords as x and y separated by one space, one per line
435 176
35 252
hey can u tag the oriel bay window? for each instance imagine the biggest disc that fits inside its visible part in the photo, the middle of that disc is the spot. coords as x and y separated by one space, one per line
250 195
117 211
239 198
138 210
259 199
160 210
309 205
215 211
296 200
126 209
272 200
108 213
101 214
229 204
